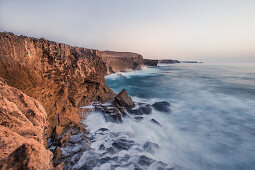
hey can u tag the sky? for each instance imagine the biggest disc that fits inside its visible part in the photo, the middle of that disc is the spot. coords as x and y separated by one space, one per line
202 30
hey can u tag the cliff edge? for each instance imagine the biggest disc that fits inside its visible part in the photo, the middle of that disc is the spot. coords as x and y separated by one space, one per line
60 76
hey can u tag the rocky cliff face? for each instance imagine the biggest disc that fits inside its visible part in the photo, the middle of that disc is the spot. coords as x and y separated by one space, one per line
60 76
121 61
22 122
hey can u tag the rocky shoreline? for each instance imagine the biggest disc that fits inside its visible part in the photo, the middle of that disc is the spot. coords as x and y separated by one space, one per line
43 87
61 79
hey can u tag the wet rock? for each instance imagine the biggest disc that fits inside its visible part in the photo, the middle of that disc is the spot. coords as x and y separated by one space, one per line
138 118
150 147
143 109
123 144
145 161
159 165
114 118
123 100
107 159
57 155
111 150
162 106
156 122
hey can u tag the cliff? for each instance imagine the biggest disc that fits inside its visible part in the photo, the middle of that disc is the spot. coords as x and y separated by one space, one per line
60 76
121 61
169 61
149 62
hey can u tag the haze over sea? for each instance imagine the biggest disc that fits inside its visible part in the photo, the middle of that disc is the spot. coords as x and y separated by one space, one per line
212 119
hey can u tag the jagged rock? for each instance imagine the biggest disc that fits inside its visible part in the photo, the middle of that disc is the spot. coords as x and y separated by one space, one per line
150 147
143 109
162 106
156 122
123 100
145 161
57 155
123 144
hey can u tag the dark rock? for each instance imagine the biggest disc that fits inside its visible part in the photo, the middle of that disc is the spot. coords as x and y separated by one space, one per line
143 109
150 147
111 150
123 144
57 155
149 62
138 118
145 161
169 61
101 147
114 118
156 122
162 106
123 100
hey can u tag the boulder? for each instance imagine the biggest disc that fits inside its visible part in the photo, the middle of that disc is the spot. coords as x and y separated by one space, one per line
123 100
162 106
143 109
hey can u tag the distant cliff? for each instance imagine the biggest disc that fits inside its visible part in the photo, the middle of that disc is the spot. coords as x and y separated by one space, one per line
149 62
121 61
169 61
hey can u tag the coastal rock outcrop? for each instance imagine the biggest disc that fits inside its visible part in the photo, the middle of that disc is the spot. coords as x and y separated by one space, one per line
149 62
123 100
121 61
169 61
162 106
60 76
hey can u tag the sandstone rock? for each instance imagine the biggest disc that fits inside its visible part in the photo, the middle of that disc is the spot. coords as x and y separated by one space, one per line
121 61
123 100
28 156
21 118
162 106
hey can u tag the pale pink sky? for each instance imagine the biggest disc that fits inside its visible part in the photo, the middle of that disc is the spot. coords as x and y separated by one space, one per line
204 30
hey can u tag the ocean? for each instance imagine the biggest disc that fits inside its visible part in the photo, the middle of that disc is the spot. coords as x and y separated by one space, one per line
211 125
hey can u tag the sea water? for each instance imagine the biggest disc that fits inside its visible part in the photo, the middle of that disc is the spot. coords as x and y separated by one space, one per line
211 124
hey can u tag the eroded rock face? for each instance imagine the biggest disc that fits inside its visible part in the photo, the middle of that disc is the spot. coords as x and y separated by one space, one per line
22 128
60 76
121 61
21 118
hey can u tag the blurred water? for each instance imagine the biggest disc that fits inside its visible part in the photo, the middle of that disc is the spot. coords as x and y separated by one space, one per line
212 123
